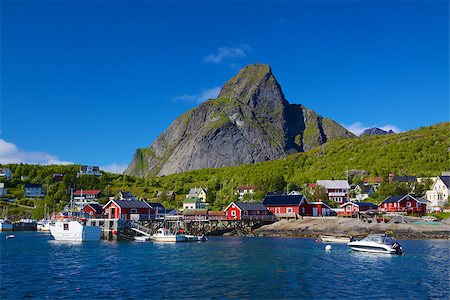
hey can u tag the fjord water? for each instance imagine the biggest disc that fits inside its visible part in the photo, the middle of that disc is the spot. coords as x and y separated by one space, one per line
35 266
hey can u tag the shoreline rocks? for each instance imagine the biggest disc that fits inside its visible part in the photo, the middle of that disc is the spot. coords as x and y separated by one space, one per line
313 227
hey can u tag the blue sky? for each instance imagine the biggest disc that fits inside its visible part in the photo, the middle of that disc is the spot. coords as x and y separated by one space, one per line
90 81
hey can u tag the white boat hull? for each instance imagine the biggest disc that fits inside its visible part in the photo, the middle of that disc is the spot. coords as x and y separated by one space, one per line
333 239
74 231
169 238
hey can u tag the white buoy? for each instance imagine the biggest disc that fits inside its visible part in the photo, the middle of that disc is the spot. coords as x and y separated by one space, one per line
328 248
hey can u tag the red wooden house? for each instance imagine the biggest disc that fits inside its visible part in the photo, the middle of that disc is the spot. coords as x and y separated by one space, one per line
405 204
351 209
293 206
128 209
92 211
247 211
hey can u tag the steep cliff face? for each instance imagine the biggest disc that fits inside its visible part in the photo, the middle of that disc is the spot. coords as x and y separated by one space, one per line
250 121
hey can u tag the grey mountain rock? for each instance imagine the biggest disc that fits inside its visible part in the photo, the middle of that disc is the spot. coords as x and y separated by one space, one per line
376 131
250 121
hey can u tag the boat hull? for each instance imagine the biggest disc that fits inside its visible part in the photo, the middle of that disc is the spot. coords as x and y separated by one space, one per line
74 231
169 238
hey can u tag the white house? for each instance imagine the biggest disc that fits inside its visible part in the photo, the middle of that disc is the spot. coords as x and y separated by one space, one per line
364 191
6 172
245 189
34 190
3 190
193 203
438 195
89 170
337 190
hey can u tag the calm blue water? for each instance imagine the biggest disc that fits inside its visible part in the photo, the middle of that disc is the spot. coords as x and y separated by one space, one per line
35 266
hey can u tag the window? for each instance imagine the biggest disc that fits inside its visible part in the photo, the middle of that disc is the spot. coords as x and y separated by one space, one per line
303 210
245 212
133 210
348 208
258 212
277 210
66 226
408 204
289 210
233 213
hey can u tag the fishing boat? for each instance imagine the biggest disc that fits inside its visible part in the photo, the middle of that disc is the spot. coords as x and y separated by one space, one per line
5 225
377 243
74 231
335 239
165 235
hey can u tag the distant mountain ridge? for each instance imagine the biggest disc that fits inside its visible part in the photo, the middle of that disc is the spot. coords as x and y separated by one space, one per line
376 131
250 121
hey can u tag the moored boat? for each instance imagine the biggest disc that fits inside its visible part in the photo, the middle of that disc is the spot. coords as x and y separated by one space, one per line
5 225
196 238
335 239
165 235
377 243
74 231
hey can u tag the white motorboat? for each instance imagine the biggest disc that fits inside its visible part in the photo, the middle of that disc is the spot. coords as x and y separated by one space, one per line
335 239
10 236
43 225
377 243
5 225
74 231
196 238
165 235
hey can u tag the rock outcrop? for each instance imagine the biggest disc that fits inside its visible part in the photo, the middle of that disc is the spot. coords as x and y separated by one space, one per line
250 121
376 131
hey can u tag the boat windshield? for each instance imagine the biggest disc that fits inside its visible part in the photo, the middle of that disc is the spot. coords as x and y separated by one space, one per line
383 239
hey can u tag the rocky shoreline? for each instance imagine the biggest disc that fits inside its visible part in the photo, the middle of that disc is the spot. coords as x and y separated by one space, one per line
313 227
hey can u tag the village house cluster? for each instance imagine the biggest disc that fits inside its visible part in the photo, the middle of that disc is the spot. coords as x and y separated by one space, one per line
349 199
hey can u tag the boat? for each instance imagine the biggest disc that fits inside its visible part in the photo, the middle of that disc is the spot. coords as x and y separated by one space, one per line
377 243
43 225
74 231
196 238
335 239
5 225
10 236
142 238
165 235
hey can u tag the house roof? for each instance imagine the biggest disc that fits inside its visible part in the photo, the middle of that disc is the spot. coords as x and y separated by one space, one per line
98 209
404 179
156 205
366 189
246 187
393 199
33 185
273 200
195 212
373 180
250 206
126 194
191 200
195 192
129 204
445 180
334 184
86 192
361 204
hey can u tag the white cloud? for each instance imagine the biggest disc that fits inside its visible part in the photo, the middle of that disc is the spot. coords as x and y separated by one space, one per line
114 168
11 154
201 96
358 128
227 53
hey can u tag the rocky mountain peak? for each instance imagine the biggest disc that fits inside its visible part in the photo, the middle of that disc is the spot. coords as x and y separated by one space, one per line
376 131
250 121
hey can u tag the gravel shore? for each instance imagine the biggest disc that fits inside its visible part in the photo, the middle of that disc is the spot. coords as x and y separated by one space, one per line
313 227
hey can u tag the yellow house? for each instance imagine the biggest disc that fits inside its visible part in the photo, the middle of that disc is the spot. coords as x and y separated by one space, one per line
198 192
